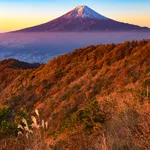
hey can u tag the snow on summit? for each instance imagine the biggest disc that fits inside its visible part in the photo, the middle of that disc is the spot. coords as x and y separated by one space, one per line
81 19
83 12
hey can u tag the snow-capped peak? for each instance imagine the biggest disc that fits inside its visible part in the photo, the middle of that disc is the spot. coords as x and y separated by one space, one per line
83 11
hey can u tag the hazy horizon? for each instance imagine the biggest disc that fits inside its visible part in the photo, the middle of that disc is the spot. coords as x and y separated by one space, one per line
42 47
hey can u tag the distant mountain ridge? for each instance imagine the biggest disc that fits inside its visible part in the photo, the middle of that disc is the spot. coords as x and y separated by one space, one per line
16 64
81 19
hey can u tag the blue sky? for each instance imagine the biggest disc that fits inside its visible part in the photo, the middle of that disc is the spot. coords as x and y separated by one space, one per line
17 14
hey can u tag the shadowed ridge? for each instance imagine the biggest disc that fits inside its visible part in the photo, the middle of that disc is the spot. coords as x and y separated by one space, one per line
16 64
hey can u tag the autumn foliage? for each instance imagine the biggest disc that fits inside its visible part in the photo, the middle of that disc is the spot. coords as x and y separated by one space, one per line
93 98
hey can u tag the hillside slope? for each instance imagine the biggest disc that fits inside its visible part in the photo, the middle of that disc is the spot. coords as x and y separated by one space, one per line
11 68
93 98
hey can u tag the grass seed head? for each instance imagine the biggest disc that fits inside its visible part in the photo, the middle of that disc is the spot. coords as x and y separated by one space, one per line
37 112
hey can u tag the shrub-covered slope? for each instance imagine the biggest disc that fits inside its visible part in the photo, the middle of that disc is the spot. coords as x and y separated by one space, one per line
94 98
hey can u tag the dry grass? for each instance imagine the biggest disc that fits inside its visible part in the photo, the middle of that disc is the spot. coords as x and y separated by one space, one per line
31 135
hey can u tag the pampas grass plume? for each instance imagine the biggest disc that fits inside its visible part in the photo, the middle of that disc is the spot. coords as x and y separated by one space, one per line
46 125
37 112
43 124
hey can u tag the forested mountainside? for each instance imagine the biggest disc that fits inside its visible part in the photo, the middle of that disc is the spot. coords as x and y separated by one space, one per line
93 98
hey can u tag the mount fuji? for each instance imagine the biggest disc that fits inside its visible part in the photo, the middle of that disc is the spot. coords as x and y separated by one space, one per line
82 19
